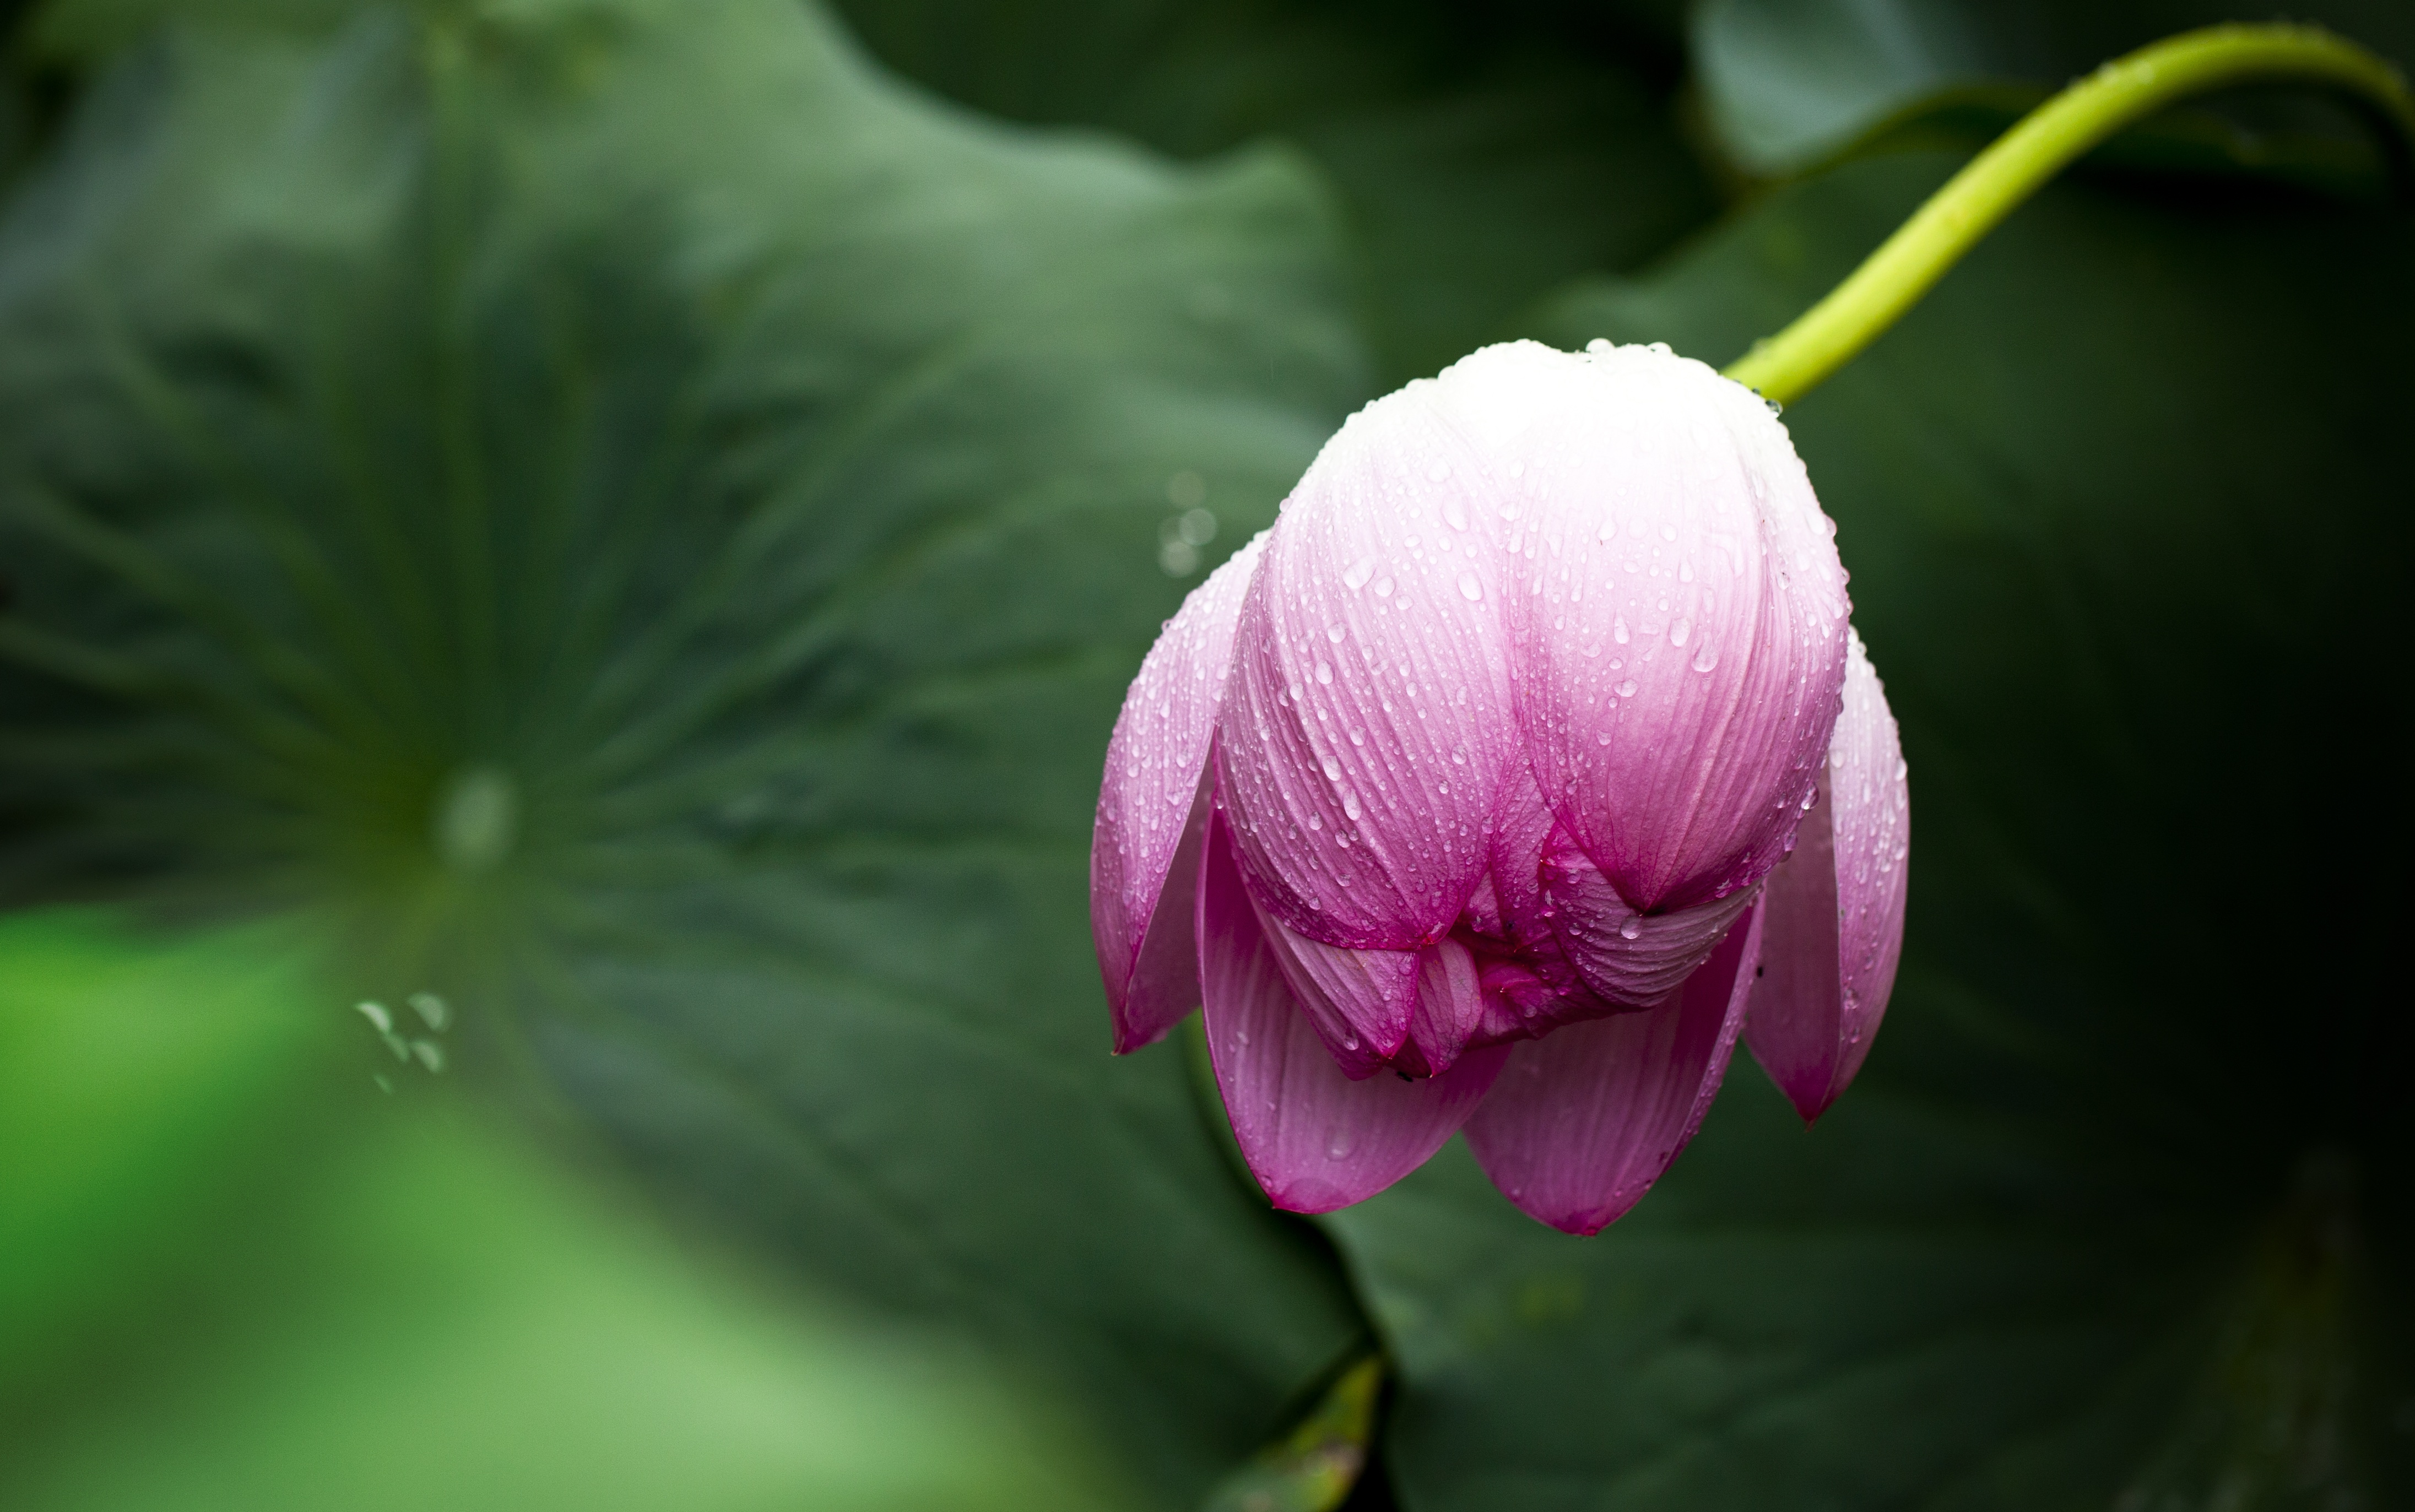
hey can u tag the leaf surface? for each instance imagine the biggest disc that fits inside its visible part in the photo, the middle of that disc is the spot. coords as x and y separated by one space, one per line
1482 154
648 527
1787 83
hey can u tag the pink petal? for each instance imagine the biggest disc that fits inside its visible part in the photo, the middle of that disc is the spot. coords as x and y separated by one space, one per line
1450 1009
1836 909
1511 895
1630 959
1316 1139
1583 1121
1360 1002
1677 621
1154 809
1368 729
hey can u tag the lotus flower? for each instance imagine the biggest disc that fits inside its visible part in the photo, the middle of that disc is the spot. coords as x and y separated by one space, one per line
1522 765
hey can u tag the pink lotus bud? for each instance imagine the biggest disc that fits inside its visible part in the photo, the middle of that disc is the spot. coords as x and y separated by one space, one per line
1455 795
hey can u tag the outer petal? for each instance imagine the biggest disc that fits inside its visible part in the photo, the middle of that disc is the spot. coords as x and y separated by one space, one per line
1316 1139
1582 1122
1368 731
1836 909
1630 959
1677 624
1153 810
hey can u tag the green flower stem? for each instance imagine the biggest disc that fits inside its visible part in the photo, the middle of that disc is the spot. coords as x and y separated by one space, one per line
1892 280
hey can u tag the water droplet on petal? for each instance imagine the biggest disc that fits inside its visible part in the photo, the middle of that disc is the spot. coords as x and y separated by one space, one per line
1359 571
1469 589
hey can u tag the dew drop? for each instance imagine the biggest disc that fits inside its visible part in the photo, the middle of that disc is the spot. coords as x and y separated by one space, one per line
1325 673
1679 632
1350 805
1469 589
1619 629
1626 689
1633 928
1360 570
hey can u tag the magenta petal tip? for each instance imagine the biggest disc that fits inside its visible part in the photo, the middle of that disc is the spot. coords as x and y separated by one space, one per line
1582 1122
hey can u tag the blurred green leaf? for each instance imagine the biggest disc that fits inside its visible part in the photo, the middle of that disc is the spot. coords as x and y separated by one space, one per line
415 1313
647 529
140 1085
2121 1213
1789 83
1483 154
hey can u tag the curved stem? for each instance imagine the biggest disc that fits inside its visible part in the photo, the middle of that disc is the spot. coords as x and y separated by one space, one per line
1892 280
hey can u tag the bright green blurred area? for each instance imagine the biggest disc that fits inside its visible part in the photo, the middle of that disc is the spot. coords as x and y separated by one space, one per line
234 1275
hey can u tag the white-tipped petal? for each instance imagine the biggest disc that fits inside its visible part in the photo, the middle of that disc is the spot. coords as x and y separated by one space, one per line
1368 730
1676 619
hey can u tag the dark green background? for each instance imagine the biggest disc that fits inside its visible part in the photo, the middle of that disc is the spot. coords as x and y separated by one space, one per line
742 437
